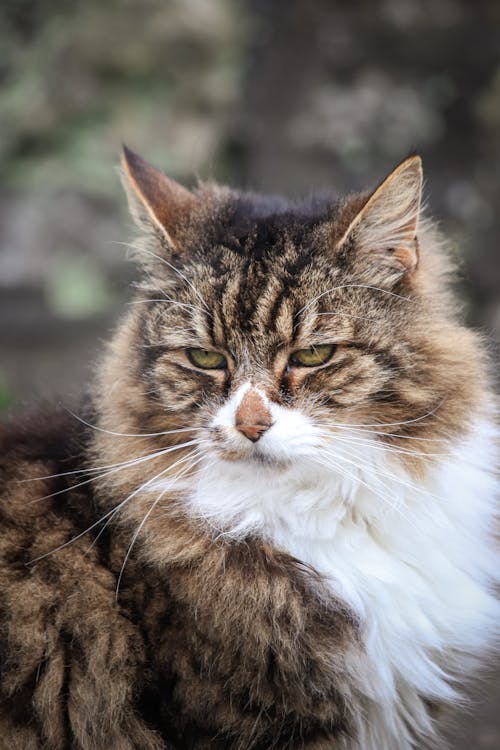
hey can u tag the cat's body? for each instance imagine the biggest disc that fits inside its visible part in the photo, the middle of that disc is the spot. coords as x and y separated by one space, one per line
291 448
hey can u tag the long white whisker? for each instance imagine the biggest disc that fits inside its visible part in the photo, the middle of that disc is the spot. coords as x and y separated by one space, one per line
396 424
147 515
125 434
166 301
117 508
347 315
97 469
355 440
359 462
329 463
173 268
369 431
112 512
377 471
115 470
73 539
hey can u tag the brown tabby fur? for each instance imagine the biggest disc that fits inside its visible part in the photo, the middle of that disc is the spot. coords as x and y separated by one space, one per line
206 642
153 670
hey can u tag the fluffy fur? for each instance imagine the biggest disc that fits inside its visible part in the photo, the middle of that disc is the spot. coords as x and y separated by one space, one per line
261 555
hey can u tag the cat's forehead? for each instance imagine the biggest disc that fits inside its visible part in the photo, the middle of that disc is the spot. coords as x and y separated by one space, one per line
258 226
265 284
260 245
260 304
257 273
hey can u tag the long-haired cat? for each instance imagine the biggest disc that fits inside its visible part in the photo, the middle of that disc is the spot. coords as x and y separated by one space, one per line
272 525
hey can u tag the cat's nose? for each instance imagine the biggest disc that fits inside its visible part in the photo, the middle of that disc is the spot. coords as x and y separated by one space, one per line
253 431
252 417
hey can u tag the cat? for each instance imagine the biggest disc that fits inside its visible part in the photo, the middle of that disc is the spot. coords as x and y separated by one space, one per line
271 525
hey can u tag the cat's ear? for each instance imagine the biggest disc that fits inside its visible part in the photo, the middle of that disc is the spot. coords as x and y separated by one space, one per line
385 229
155 200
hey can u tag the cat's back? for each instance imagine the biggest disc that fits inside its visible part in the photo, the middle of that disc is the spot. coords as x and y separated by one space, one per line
41 454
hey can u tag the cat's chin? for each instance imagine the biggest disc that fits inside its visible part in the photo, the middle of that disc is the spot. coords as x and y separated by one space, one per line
253 456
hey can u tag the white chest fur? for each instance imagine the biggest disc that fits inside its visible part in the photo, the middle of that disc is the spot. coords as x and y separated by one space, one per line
414 560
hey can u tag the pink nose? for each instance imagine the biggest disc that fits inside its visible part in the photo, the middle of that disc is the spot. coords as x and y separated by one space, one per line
252 417
253 431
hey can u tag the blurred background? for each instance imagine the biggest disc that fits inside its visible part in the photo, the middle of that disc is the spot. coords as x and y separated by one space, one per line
275 95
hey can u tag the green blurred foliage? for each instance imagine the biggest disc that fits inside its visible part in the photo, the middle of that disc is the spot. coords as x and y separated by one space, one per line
79 77
7 397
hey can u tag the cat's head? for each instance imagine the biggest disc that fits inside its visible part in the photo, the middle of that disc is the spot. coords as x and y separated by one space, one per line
283 331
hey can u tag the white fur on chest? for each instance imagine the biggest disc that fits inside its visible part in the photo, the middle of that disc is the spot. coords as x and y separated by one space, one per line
414 560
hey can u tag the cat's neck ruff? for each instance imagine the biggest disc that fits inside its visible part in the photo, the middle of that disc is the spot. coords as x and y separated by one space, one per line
413 558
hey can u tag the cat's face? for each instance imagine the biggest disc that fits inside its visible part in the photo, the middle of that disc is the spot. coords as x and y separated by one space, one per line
282 333
272 351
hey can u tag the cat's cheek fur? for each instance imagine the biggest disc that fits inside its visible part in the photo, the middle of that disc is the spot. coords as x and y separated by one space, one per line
422 597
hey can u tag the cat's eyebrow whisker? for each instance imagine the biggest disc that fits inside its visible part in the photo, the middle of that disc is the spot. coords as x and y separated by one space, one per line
347 315
195 308
350 286
172 267
134 462
166 301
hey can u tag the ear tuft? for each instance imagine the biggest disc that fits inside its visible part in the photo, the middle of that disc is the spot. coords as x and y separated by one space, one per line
154 199
386 227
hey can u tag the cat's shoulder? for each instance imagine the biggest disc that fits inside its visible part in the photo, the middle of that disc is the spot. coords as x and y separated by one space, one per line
49 434
39 450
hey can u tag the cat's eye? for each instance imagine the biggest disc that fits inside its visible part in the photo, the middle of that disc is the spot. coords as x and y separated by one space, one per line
312 357
206 359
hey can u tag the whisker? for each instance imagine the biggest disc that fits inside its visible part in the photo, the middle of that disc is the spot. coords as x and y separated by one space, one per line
142 487
95 469
354 478
397 424
125 434
355 440
348 315
373 471
172 267
112 512
377 471
401 437
350 286
166 301
144 520
115 470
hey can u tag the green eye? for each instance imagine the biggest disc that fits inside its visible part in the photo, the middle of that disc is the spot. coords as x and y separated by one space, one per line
206 359
312 357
